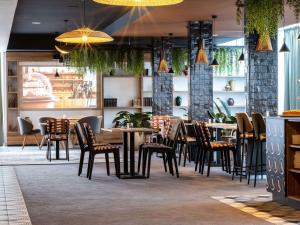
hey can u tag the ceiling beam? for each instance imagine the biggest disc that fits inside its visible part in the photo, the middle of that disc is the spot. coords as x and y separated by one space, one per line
7 13
127 19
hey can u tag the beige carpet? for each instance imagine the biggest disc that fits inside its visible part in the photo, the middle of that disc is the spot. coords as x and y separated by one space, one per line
55 195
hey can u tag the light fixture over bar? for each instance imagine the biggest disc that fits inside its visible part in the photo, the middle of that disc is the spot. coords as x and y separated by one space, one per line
139 2
84 35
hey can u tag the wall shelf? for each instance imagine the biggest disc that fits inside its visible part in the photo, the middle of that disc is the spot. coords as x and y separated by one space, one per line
294 171
295 147
238 92
123 107
233 77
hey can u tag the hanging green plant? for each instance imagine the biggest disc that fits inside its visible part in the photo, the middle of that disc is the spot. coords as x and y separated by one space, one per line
263 16
179 58
105 60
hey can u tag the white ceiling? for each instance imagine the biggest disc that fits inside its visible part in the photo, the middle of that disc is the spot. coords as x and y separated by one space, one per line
7 12
161 21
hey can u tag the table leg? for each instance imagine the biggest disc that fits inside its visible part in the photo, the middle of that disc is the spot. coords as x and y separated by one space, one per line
125 152
57 149
132 161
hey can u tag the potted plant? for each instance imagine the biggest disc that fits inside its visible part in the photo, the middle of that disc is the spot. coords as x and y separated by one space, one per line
138 119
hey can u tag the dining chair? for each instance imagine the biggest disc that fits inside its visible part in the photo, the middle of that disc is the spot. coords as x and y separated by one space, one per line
95 123
26 129
214 146
57 131
43 128
259 126
95 149
245 137
83 146
187 142
168 150
158 122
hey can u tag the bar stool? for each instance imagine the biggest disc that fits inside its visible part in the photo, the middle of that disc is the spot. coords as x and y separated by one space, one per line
260 138
245 135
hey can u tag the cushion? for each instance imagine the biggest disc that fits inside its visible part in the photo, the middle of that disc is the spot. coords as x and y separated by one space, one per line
105 147
222 144
246 136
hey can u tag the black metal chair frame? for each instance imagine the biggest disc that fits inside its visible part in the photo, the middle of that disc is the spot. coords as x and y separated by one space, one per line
102 149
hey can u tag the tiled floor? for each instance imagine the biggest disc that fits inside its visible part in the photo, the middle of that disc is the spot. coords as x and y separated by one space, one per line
264 208
13 210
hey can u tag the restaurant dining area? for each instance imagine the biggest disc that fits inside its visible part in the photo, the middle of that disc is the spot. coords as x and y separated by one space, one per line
149 112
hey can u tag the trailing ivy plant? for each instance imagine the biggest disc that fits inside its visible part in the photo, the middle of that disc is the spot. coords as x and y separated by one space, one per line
106 60
228 61
179 58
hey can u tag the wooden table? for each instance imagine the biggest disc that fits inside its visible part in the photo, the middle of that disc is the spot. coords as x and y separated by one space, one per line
225 126
129 132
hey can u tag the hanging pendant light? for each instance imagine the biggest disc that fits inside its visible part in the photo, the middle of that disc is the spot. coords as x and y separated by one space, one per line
215 61
56 75
284 47
264 43
242 56
84 35
63 50
171 68
139 2
201 57
163 65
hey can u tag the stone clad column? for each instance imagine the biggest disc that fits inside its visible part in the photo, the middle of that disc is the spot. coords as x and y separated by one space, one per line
262 77
201 76
162 103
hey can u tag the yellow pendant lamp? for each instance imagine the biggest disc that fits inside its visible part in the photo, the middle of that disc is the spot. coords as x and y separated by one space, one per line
163 65
61 50
139 2
264 43
201 57
84 35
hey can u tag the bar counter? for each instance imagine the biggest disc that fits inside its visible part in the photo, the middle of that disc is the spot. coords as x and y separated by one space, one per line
283 159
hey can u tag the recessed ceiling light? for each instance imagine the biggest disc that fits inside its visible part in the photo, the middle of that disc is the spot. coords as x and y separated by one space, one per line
36 23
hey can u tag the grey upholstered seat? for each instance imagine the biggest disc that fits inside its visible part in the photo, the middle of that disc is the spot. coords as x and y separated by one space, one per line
26 128
93 121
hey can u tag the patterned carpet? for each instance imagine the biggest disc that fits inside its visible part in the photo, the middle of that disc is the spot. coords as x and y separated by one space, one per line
263 207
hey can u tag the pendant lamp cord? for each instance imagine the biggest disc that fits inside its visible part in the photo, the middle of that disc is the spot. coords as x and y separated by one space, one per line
200 34
83 12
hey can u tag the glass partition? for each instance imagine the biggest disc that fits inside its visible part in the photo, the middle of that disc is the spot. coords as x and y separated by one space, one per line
53 87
